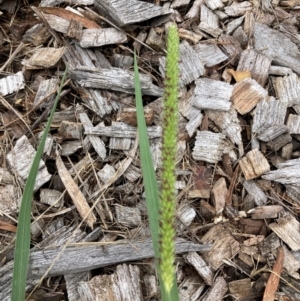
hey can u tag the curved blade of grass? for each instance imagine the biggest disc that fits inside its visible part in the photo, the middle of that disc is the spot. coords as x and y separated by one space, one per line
149 177
22 246
150 183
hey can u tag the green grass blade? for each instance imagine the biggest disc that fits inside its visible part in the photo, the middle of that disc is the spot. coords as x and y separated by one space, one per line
149 177
22 247
150 183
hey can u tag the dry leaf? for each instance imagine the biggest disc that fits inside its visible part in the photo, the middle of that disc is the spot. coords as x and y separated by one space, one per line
7 227
239 75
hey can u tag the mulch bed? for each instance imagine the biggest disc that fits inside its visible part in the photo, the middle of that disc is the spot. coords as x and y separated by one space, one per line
238 180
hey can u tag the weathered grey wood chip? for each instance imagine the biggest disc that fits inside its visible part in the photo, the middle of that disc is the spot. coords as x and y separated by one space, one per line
194 10
113 79
212 94
72 282
90 58
240 35
122 130
231 46
209 147
293 192
5 176
97 255
276 46
124 284
217 291
178 3
20 159
293 124
57 23
255 62
287 173
224 246
12 83
287 89
268 113
272 132
191 287
209 22
209 53
287 228
259 196
214 4
194 122
229 125
124 12
96 37
262 212
201 267
238 8
128 216
9 199
97 143
233 25
46 87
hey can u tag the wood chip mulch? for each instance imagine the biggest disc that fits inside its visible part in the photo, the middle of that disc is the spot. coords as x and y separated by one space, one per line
238 171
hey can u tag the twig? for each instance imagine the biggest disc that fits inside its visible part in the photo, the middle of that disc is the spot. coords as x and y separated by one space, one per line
12 56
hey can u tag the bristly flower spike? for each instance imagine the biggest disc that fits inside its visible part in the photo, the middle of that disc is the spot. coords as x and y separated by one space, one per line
169 147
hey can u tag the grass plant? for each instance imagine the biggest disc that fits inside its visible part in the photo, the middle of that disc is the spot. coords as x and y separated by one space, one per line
22 247
161 204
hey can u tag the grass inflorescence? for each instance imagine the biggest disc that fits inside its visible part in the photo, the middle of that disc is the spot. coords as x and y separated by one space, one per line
169 147
163 203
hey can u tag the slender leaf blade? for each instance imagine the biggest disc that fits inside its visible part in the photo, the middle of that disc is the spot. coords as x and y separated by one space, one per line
150 182
22 247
